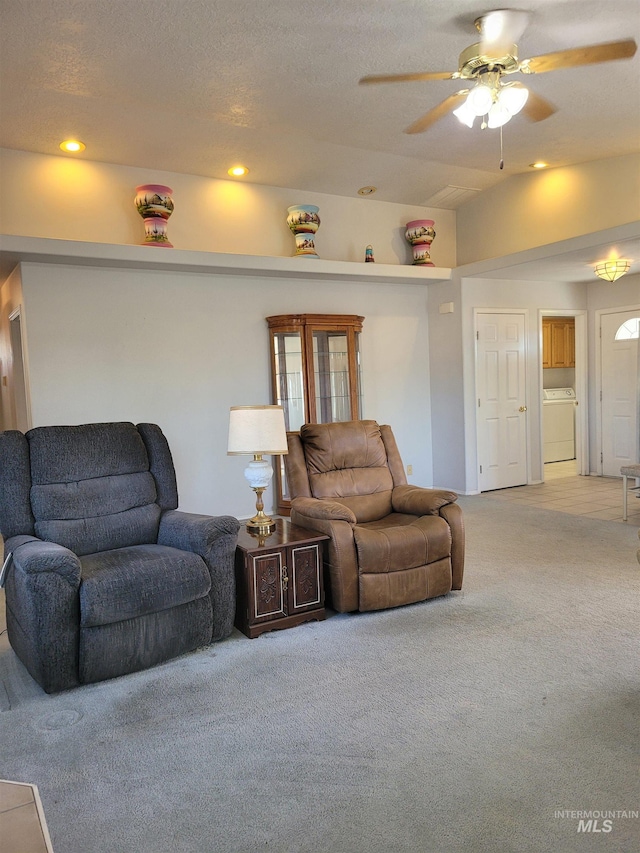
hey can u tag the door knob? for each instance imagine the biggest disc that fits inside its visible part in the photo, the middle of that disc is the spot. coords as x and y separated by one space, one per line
522 409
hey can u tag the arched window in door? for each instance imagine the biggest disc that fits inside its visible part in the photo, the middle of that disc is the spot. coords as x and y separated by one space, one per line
628 331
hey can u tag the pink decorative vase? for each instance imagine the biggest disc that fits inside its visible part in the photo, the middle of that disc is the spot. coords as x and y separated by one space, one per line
155 206
420 235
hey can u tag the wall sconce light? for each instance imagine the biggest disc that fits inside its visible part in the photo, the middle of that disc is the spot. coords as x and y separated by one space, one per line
613 269
258 430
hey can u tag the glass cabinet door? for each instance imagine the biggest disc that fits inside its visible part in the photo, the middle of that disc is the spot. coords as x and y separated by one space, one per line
331 377
289 378
315 369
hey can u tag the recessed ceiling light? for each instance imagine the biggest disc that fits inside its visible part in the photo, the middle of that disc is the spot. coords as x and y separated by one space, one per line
72 146
366 190
539 165
238 171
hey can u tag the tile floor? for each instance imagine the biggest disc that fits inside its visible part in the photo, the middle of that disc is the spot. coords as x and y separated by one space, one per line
565 491
23 828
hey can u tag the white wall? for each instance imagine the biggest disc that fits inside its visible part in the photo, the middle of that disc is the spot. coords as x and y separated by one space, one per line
180 349
446 354
114 344
603 294
452 361
543 207
75 199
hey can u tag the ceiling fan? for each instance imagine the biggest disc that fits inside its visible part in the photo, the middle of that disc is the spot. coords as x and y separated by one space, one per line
489 61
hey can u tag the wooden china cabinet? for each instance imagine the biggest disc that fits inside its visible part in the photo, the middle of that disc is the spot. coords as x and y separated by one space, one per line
315 375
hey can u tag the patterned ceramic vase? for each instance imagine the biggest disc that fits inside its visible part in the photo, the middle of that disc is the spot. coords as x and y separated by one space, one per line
420 235
303 220
155 206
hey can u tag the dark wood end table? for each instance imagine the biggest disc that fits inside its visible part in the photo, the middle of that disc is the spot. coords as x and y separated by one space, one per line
279 578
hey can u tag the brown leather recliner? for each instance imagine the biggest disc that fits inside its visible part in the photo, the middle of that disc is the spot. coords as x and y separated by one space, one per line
391 543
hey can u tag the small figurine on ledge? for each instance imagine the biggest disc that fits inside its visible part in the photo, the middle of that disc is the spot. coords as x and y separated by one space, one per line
368 255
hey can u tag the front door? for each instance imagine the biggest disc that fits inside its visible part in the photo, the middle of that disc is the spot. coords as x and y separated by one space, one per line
502 425
619 363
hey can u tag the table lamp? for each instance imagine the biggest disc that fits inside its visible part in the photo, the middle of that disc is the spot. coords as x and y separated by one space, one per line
258 430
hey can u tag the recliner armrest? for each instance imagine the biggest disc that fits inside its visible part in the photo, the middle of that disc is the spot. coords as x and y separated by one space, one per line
193 532
43 610
416 500
214 539
34 556
323 510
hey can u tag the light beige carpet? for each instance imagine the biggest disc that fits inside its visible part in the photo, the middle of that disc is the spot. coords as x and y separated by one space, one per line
484 721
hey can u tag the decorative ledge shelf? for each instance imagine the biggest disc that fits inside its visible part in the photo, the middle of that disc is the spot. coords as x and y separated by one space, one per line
42 250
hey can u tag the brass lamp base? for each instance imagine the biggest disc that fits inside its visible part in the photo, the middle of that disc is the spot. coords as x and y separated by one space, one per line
261 526
260 523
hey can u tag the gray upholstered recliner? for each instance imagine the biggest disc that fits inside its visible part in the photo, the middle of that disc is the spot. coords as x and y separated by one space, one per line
106 577
390 543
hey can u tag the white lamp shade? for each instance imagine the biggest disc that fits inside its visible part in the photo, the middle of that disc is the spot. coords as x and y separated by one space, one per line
257 429
465 114
480 100
498 115
513 97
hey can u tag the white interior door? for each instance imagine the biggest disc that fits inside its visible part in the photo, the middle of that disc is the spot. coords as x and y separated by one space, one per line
502 424
619 370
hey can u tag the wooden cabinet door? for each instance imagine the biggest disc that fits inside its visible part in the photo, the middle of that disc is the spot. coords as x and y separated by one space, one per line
546 343
570 343
558 342
267 597
559 345
304 565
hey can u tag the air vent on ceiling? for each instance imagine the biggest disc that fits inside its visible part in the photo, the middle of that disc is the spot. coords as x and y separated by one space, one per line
450 197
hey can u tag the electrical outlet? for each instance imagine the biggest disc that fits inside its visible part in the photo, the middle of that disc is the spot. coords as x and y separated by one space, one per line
409 470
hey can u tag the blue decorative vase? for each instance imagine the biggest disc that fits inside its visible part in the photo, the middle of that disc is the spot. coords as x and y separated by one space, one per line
303 220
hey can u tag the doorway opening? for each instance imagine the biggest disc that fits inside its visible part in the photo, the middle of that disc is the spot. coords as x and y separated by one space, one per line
18 381
564 404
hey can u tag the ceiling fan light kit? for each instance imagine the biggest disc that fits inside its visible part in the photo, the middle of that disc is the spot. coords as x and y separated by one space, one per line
497 100
489 60
612 269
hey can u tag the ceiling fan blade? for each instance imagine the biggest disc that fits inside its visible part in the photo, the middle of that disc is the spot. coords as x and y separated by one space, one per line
587 55
501 29
538 108
404 78
434 115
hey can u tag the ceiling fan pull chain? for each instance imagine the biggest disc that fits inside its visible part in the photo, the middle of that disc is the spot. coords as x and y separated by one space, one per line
501 157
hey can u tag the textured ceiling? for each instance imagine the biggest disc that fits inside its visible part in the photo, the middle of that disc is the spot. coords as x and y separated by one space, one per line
194 86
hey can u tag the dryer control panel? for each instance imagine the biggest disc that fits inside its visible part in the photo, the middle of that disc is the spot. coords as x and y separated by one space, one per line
554 394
